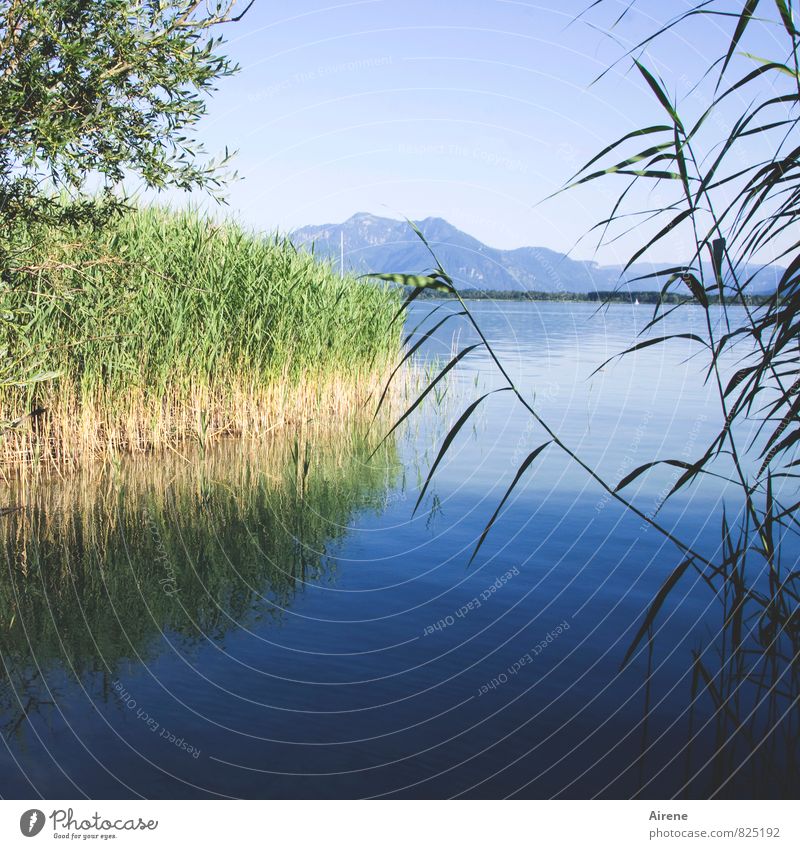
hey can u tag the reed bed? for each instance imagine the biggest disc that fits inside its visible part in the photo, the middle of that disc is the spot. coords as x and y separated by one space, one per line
164 326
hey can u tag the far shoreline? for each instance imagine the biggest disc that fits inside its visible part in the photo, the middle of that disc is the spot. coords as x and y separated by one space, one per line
631 298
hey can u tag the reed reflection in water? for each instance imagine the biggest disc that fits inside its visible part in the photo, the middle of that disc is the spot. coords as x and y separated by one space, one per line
105 569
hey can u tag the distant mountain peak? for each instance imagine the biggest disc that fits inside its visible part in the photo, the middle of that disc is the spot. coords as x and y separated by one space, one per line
373 243
364 218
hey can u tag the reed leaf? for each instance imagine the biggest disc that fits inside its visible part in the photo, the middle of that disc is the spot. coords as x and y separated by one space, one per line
654 608
520 472
429 388
629 478
448 440
647 343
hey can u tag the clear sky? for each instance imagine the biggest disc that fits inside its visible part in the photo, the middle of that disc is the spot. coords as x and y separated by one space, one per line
473 111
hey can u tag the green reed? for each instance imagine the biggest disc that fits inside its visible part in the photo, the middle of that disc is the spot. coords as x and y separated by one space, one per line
161 325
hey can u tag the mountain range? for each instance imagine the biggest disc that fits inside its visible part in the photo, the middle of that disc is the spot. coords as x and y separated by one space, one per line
376 244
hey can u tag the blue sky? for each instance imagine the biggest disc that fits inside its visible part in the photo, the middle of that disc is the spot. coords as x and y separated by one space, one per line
473 111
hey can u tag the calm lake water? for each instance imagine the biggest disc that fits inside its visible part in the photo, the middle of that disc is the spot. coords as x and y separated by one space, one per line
271 620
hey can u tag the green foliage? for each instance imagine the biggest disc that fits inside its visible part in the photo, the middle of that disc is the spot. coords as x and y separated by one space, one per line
103 90
168 307
159 298
92 93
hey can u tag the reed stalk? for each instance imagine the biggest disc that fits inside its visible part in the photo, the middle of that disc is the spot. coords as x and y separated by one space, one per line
162 327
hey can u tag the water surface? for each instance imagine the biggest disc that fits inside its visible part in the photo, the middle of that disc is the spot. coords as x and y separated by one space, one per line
272 621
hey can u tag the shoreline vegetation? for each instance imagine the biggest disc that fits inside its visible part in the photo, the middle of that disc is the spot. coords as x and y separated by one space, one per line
602 297
160 327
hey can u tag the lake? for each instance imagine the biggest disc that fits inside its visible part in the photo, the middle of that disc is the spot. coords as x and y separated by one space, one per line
274 621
